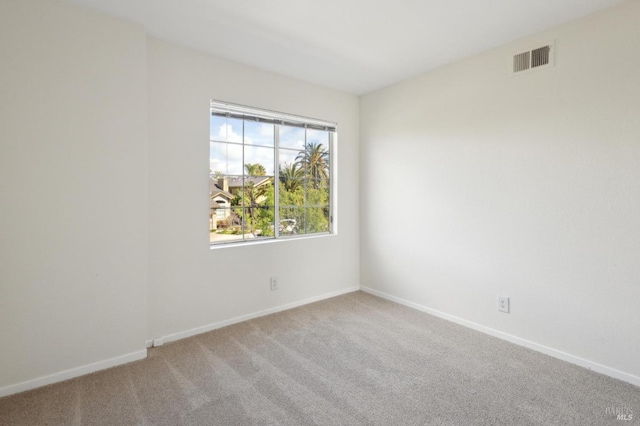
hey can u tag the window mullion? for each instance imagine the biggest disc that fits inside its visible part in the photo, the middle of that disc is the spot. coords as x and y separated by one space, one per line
244 194
331 179
276 181
306 184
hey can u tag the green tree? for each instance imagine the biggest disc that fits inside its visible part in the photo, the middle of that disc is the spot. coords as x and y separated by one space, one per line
255 169
264 215
316 220
255 207
291 176
306 200
317 209
314 160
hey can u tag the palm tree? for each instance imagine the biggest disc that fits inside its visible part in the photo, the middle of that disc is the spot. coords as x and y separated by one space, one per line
315 161
255 201
291 176
255 169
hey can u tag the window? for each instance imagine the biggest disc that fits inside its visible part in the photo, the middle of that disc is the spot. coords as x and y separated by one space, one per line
270 174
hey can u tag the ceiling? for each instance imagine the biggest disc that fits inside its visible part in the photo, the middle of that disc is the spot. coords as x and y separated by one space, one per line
356 46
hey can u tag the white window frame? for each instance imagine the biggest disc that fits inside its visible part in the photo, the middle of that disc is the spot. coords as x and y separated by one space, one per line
278 118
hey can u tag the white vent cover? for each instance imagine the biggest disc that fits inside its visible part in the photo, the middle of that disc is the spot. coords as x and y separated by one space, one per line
532 59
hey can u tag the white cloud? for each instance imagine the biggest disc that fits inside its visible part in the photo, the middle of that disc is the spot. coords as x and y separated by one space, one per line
226 158
259 155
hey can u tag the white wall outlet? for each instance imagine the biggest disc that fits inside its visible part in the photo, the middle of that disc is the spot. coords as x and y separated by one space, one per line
274 283
503 304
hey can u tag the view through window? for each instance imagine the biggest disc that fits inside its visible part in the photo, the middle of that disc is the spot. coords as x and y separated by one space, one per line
270 174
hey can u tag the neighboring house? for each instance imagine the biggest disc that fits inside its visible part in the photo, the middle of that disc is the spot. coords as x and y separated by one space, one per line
235 182
219 201
223 189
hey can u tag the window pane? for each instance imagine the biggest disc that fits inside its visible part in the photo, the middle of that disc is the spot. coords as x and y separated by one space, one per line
256 133
225 158
218 128
226 228
225 129
257 191
258 161
291 193
315 161
291 179
217 157
288 156
259 222
291 220
317 137
316 192
234 130
291 137
316 219
233 184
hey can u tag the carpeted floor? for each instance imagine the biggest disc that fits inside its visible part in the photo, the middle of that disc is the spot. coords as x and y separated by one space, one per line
351 360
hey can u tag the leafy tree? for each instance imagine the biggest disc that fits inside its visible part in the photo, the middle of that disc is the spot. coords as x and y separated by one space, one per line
255 205
304 195
314 160
316 220
306 201
297 204
233 219
291 176
255 169
265 215
316 196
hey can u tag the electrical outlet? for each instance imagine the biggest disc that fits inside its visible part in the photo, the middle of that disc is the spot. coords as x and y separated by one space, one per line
503 304
274 283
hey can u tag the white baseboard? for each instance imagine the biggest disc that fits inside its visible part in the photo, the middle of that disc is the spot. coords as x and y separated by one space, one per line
603 369
205 328
135 356
73 372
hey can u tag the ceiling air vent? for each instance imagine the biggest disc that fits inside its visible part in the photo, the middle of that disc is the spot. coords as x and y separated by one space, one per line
532 59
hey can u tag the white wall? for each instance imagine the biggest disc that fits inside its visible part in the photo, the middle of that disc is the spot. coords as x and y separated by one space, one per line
527 187
190 285
86 241
72 179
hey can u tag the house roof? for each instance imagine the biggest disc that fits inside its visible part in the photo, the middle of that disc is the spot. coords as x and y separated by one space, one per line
214 191
236 181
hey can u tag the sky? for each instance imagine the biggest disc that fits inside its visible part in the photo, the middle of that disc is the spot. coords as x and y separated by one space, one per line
258 144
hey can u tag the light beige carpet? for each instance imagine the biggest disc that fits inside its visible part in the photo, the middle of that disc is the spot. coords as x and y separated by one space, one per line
351 360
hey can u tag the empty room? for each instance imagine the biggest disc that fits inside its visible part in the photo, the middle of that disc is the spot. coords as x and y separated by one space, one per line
319 213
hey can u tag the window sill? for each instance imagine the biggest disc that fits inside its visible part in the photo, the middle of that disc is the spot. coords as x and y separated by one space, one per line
244 243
